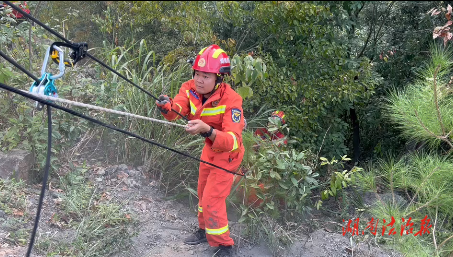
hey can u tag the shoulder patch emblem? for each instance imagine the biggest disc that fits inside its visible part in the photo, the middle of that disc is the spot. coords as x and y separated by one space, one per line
215 103
236 115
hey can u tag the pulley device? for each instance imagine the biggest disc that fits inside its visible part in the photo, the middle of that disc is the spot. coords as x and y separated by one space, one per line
79 51
46 85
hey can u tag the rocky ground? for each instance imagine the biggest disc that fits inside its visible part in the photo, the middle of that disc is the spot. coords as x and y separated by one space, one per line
163 224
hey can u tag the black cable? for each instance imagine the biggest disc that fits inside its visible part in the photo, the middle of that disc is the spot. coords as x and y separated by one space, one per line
89 55
22 93
44 182
19 66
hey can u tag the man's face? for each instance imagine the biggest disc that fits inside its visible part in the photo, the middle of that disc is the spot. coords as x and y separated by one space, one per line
204 82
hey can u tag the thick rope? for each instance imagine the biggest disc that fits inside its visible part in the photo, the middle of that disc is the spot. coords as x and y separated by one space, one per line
94 107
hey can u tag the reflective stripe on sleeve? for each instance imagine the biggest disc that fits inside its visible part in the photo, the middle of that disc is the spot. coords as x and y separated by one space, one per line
218 231
200 209
213 111
180 108
235 144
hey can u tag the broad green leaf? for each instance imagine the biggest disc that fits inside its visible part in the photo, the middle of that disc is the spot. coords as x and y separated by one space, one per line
242 219
300 156
282 185
311 180
272 174
248 74
245 92
270 206
280 164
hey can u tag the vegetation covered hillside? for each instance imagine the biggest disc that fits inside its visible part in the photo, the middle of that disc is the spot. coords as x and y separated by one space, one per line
366 88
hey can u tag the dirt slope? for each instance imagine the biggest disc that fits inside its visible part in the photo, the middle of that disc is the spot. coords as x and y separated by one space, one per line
164 224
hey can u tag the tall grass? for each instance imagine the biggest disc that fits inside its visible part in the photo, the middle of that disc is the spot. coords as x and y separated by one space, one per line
98 227
137 63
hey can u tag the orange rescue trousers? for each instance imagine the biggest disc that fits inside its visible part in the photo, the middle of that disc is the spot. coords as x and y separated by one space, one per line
214 186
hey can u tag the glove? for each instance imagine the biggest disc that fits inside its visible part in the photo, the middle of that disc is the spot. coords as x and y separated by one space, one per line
163 104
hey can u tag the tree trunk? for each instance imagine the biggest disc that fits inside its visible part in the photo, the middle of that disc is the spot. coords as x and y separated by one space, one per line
355 136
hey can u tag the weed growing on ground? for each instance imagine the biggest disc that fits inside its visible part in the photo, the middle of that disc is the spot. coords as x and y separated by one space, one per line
12 196
95 227
13 201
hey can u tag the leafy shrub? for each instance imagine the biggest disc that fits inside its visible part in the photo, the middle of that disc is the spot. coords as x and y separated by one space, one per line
338 179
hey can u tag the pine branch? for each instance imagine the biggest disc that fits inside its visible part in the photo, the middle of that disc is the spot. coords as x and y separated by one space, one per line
437 102
443 138
421 207
446 240
420 187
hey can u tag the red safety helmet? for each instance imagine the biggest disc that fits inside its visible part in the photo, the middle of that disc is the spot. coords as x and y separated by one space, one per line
212 59
280 115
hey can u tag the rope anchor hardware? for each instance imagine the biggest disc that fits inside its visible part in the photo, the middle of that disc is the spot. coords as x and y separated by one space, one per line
61 65
46 85
79 51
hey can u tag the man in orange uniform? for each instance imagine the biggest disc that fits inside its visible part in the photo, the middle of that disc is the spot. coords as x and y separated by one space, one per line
214 110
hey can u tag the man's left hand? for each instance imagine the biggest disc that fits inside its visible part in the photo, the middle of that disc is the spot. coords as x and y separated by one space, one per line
195 127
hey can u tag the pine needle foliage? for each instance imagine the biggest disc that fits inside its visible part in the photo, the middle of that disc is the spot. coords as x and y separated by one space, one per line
420 183
424 110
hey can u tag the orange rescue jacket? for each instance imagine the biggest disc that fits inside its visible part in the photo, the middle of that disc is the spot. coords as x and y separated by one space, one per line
222 110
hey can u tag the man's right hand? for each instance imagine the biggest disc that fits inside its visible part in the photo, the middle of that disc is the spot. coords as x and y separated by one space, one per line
163 104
